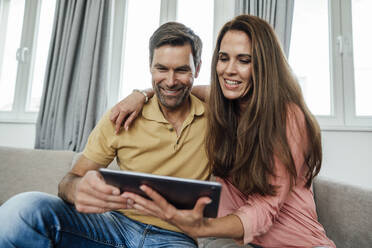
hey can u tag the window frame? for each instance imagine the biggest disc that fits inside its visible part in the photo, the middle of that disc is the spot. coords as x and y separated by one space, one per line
343 105
22 92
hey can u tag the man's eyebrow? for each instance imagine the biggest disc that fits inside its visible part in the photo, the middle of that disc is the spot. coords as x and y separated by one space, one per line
157 65
184 68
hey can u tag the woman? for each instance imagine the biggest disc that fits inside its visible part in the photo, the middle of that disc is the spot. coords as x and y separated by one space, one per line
263 145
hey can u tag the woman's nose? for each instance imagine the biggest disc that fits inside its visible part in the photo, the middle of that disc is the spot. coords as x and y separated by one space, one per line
230 67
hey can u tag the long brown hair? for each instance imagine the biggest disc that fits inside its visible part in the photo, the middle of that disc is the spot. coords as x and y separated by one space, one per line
241 144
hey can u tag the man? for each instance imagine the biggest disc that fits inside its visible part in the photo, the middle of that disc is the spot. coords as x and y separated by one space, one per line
163 140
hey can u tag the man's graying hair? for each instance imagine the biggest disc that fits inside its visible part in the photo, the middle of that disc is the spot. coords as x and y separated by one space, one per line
176 34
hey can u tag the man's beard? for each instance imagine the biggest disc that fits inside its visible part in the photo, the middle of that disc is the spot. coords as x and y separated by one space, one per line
176 101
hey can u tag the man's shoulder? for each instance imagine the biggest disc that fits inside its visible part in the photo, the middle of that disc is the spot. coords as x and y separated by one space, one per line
105 124
198 105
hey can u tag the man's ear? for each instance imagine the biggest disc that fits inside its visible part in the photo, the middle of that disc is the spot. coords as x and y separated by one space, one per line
198 69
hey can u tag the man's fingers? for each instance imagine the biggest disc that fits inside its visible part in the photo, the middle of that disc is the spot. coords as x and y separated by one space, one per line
90 209
96 182
99 203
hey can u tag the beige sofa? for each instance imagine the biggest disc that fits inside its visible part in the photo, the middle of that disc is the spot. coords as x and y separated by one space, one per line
344 210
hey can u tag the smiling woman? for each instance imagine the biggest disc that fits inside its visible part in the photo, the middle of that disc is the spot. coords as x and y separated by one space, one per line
234 67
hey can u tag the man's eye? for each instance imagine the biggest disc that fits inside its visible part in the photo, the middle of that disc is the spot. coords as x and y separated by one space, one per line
222 58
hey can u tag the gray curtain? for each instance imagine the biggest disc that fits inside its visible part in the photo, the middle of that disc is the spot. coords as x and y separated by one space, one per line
75 85
279 13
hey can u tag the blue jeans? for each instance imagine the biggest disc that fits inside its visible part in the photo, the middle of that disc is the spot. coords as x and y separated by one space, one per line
36 219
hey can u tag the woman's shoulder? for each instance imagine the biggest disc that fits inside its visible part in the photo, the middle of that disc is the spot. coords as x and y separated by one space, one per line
293 110
295 116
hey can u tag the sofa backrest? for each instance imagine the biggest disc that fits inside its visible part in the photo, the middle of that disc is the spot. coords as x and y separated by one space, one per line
31 170
345 212
24 170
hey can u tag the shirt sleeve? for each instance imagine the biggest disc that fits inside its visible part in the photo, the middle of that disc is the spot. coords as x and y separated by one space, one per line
260 212
100 146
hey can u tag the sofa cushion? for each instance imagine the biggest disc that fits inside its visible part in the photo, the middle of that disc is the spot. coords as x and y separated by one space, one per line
345 212
31 170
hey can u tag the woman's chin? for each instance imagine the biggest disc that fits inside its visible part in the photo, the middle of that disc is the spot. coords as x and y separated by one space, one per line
231 95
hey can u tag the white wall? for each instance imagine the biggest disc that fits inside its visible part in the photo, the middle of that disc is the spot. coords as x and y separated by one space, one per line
347 155
17 135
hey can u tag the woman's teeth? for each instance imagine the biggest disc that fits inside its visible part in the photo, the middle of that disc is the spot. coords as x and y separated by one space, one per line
232 82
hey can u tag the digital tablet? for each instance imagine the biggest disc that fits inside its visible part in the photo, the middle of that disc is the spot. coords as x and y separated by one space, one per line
180 192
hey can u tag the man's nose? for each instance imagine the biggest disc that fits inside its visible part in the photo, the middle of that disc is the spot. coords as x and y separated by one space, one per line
171 79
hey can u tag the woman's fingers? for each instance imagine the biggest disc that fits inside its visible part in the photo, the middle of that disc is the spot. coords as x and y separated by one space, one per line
200 205
114 114
119 121
130 119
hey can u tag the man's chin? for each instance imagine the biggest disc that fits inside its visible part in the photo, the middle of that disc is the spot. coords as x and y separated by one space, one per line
172 104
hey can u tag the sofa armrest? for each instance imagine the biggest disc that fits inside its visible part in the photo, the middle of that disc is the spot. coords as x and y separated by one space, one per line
345 212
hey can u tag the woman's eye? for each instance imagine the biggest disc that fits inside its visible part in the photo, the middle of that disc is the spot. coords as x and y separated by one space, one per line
245 61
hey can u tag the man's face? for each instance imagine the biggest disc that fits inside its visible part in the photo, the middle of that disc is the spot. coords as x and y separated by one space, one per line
173 72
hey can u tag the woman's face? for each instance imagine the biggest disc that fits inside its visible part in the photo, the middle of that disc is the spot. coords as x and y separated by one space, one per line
234 67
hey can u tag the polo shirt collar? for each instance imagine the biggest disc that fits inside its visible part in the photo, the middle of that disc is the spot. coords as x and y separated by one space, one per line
151 110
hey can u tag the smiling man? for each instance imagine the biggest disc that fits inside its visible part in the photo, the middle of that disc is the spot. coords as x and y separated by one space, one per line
165 139
173 71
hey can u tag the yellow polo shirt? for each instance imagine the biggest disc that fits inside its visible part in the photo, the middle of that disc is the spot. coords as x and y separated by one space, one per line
151 145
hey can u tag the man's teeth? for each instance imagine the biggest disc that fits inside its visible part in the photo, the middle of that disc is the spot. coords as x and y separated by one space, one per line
231 82
170 91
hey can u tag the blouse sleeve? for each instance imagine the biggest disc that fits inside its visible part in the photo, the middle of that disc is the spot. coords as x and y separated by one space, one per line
259 212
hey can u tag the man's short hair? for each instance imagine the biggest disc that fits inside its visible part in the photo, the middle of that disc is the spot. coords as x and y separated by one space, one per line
176 34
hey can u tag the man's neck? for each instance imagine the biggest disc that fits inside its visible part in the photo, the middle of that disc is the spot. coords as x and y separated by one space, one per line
176 117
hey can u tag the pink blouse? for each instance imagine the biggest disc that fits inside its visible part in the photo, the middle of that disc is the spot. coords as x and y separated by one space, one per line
287 219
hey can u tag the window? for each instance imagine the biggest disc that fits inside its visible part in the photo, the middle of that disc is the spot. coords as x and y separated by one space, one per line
191 17
23 53
330 54
362 51
309 53
142 22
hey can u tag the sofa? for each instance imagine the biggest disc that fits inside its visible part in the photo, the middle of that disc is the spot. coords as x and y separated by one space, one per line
344 210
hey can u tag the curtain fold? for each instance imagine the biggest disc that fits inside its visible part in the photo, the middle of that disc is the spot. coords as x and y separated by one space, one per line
279 13
75 85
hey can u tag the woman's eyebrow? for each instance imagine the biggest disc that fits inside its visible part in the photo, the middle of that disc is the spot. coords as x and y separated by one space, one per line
245 55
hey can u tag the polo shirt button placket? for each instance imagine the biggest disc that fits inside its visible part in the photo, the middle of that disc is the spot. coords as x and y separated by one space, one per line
176 145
